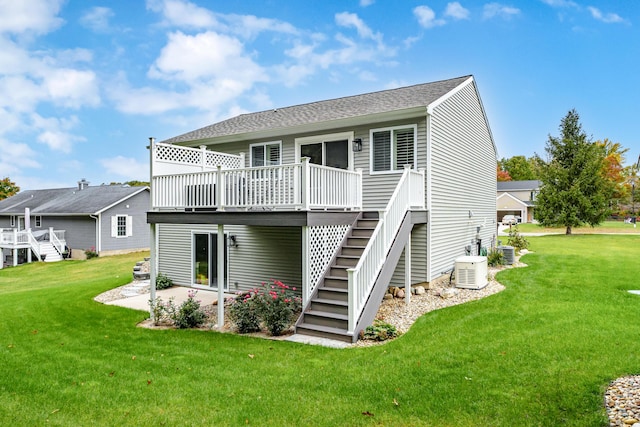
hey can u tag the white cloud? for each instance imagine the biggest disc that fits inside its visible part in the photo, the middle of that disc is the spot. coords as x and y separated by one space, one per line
16 157
183 13
560 3
456 11
97 19
55 132
492 10
427 17
29 16
366 3
126 167
346 19
71 88
607 18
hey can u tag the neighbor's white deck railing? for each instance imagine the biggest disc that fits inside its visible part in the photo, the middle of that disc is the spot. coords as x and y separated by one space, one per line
409 193
56 237
300 186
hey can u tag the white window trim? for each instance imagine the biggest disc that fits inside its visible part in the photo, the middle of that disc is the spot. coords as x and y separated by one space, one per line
128 226
227 285
38 221
13 221
278 143
392 129
315 139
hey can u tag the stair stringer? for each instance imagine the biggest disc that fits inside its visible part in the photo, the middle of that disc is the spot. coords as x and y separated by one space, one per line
382 282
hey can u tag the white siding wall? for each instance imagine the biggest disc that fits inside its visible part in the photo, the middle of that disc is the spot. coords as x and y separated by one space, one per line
462 179
263 253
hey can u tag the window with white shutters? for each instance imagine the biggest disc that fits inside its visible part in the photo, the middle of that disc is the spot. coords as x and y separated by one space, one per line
266 154
392 148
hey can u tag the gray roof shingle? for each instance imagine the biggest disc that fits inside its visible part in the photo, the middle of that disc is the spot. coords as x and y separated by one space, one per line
420 95
88 201
528 185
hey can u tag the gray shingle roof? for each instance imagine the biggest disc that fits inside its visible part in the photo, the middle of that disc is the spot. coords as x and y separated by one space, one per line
532 184
384 101
88 201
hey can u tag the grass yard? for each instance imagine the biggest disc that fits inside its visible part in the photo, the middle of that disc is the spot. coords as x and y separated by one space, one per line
540 353
618 227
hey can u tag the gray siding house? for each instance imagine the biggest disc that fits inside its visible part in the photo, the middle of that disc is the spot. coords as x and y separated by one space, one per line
108 219
340 198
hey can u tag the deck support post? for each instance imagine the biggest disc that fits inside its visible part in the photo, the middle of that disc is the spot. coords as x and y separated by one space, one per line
306 285
407 271
220 273
153 256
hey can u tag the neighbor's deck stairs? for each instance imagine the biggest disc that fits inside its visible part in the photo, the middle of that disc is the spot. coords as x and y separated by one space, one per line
50 252
326 314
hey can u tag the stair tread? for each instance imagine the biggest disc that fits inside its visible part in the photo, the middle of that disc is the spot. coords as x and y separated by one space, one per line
342 278
322 328
327 314
331 301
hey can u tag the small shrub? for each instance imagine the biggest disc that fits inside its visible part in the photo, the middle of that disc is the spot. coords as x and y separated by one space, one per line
189 314
517 240
277 306
163 312
379 331
244 312
163 282
495 258
91 253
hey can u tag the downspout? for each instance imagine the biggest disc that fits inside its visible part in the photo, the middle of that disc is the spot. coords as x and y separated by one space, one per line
98 239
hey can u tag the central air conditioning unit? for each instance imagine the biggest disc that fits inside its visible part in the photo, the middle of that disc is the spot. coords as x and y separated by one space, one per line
471 272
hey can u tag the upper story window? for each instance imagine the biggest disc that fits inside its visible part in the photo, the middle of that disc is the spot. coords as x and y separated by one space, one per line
13 221
38 221
266 154
392 148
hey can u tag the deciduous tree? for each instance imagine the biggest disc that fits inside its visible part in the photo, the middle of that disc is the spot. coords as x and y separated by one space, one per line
574 189
520 168
7 188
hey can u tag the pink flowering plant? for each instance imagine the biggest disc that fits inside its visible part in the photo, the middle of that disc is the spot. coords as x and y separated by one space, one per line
272 304
189 314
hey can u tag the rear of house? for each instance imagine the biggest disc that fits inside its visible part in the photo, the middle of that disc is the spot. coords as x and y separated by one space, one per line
339 198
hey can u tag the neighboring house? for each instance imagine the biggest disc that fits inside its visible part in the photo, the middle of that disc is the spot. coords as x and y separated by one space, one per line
517 198
108 219
339 198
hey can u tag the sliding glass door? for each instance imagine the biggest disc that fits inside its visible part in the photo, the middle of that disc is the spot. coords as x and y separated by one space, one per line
205 260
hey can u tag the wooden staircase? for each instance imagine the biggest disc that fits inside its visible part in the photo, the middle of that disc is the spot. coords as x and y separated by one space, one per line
327 313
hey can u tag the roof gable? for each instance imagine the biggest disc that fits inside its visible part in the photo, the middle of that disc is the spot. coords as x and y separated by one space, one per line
386 101
71 201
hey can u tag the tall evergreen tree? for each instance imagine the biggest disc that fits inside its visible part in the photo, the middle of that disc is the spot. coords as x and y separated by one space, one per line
574 190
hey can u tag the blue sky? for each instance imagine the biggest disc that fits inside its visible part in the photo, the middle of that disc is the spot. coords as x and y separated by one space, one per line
84 83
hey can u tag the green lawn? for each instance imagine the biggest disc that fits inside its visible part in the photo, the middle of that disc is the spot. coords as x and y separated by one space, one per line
618 227
540 353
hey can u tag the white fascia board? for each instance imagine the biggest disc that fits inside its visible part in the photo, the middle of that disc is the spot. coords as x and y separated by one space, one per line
511 197
122 200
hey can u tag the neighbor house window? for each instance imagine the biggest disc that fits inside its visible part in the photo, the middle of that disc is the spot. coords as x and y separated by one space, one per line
38 221
121 226
392 148
13 221
266 154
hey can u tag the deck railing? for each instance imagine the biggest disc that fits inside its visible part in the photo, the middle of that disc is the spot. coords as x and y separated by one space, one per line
56 237
409 193
173 159
300 186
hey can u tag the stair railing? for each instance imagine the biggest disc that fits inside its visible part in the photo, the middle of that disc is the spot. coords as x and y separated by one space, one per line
55 240
34 243
409 193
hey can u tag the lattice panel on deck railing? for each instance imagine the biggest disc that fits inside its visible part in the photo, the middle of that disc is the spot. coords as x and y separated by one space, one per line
224 160
323 243
169 153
